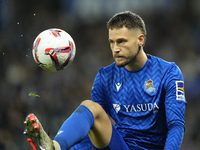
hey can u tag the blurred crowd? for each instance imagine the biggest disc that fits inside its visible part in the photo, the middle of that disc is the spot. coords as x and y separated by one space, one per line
173 33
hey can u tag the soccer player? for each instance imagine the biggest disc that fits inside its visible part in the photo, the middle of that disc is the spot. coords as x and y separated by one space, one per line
142 93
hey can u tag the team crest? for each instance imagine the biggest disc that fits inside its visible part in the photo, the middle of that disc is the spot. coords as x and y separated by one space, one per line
149 86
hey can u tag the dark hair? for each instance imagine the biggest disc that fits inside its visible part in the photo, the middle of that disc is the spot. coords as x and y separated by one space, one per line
129 20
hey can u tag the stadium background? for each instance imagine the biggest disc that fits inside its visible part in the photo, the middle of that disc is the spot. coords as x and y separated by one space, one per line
173 33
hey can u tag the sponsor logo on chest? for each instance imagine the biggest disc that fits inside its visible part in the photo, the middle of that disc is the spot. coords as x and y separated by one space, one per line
136 108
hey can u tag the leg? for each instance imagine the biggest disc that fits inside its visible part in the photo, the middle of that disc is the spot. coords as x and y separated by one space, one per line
101 132
89 118
116 142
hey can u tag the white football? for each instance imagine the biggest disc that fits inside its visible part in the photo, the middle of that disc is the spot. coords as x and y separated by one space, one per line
54 49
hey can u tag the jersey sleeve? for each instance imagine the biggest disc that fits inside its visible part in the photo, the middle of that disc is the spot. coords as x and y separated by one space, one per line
175 104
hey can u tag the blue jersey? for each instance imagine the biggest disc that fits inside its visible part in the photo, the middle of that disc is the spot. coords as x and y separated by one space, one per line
144 103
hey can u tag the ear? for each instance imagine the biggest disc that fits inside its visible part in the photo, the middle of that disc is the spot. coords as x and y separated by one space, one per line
141 39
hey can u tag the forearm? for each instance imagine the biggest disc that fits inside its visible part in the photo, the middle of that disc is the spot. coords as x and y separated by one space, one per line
174 137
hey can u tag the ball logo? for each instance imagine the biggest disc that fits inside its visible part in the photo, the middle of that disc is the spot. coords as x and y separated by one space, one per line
55 33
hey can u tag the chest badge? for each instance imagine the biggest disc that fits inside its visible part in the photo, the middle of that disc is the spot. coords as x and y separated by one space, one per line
149 86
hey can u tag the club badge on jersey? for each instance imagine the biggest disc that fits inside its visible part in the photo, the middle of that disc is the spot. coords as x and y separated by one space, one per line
149 86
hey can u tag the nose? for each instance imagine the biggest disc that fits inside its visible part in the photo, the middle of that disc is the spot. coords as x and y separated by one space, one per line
115 48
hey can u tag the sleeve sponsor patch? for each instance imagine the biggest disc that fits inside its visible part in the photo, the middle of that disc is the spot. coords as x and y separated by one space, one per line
180 91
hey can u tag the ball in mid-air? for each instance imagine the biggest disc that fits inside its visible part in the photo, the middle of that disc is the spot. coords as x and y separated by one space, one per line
54 49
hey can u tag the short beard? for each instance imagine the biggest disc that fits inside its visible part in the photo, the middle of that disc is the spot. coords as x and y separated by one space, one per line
132 60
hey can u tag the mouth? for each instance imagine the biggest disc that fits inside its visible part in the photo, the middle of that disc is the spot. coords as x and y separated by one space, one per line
119 58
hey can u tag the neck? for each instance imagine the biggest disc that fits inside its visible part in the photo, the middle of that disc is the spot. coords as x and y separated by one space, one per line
138 62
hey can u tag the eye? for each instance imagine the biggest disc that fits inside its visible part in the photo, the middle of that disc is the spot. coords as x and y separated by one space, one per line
121 41
110 41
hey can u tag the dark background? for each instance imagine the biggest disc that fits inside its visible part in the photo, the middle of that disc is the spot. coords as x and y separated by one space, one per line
173 33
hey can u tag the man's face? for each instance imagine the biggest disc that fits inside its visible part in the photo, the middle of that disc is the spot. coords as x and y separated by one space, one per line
124 44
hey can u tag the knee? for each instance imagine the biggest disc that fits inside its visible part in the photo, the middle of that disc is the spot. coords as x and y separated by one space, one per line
94 107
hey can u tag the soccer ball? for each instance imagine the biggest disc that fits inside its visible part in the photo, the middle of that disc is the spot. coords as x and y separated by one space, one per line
53 49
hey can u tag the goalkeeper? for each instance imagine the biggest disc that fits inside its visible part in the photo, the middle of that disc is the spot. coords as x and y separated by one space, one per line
142 93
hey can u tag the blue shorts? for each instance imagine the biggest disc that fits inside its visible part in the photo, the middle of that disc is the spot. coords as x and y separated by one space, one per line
116 142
